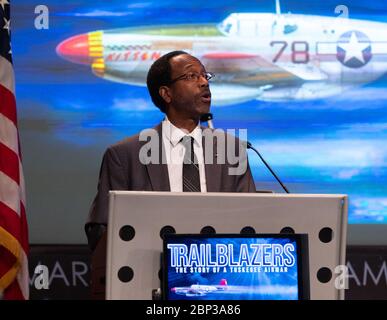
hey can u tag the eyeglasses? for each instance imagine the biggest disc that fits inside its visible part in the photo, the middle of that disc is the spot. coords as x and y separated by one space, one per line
194 76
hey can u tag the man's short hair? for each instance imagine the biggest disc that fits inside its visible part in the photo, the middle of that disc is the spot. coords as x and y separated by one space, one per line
159 75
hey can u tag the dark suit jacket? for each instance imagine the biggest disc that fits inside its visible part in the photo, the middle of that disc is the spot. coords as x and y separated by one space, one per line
121 169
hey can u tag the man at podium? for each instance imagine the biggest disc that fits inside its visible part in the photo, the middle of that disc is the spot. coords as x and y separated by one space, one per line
181 160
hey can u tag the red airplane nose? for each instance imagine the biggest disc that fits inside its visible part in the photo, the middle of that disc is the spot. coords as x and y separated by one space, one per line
75 49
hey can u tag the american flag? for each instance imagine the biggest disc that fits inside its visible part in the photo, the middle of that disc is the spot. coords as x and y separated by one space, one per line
13 224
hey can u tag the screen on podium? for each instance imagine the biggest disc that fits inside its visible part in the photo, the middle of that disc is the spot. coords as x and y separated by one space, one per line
235 267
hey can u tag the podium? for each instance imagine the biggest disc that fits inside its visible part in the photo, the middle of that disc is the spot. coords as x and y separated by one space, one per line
138 219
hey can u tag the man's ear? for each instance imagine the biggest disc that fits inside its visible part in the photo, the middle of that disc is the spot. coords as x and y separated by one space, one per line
165 93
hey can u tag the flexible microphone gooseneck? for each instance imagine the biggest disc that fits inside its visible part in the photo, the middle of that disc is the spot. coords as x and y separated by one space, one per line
250 146
207 117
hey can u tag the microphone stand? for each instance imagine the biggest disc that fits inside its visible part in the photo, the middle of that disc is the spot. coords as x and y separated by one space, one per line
250 146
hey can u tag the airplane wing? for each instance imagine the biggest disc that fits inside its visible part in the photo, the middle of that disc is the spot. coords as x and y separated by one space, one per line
249 69
307 72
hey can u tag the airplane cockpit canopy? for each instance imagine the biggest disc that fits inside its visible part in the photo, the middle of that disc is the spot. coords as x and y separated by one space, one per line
254 24
229 26
239 24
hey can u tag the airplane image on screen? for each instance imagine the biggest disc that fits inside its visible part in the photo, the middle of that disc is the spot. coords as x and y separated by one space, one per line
254 56
196 290
258 291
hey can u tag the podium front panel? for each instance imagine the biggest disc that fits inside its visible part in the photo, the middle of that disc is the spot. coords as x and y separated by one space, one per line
136 219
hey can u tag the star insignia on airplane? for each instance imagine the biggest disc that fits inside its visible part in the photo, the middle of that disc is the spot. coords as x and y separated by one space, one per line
354 49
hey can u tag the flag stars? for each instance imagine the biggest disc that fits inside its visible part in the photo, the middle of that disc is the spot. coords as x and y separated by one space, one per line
7 24
3 3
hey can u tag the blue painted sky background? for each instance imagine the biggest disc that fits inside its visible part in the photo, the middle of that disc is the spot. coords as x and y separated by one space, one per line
334 145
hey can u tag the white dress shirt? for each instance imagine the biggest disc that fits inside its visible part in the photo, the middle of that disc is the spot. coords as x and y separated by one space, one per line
175 150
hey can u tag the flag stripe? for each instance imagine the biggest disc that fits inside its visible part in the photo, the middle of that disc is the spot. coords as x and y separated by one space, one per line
8 104
9 193
6 75
23 238
23 275
9 163
14 246
22 187
9 220
8 134
14 292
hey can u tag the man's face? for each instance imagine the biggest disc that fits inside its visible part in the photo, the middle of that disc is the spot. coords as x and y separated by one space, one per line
189 97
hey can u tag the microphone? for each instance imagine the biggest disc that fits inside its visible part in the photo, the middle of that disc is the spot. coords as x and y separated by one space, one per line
250 146
207 117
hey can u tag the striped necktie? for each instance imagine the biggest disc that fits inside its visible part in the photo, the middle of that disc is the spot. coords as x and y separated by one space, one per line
191 176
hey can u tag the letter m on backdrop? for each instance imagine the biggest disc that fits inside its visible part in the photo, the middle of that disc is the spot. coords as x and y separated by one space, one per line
13 224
